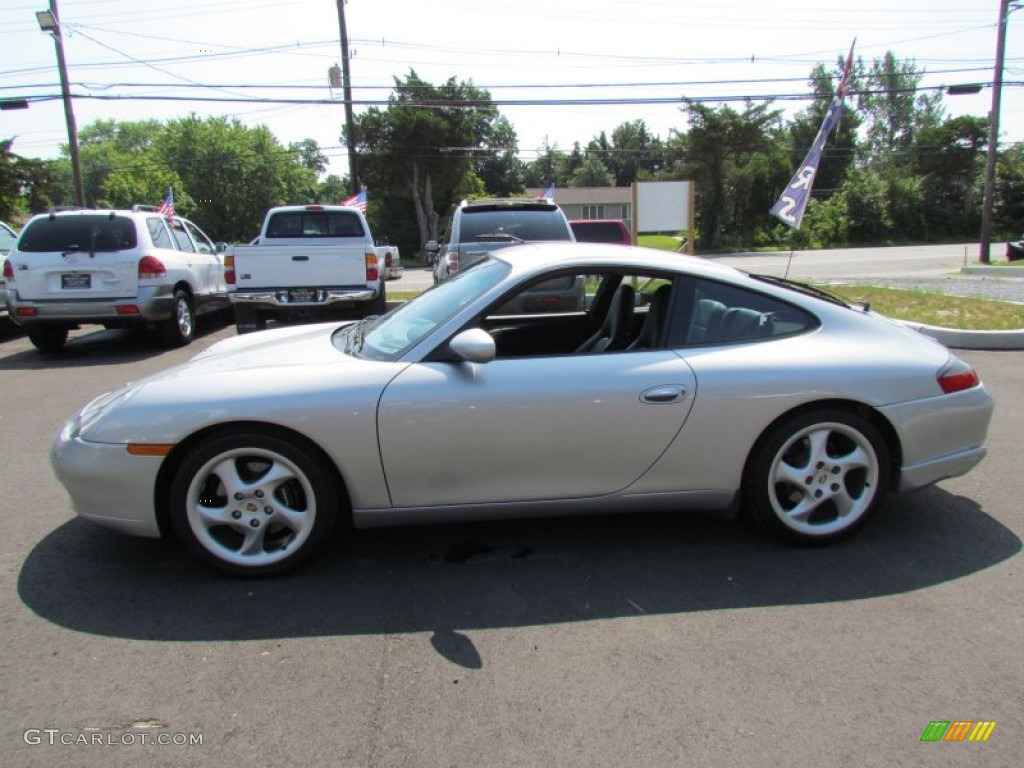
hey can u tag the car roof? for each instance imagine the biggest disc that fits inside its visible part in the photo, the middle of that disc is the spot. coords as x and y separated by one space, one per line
536 257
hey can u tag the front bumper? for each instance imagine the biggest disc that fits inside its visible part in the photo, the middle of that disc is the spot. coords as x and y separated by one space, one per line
107 485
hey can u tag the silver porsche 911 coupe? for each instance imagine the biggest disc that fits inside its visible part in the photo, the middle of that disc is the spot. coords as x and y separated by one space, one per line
673 384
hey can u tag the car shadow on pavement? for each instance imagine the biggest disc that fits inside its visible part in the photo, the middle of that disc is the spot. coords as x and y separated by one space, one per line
447 579
97 346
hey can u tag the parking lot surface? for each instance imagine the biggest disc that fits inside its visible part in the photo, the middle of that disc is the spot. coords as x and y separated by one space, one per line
644 641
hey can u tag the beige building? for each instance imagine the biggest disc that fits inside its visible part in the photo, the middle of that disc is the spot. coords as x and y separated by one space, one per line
593 202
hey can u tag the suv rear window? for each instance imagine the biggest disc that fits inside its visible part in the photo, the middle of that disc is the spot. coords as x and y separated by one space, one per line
91 233
292 224
525 223
599 232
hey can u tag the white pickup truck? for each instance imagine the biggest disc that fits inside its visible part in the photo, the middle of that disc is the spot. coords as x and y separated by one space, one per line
309 262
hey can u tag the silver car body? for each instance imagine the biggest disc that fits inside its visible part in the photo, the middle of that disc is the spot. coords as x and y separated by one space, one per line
421 437
7 238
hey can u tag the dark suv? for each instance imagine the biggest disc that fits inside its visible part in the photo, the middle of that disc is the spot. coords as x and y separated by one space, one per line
481 226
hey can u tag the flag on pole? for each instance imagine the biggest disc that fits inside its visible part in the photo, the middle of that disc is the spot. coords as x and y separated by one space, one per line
548 193
356 201
166 206
791 205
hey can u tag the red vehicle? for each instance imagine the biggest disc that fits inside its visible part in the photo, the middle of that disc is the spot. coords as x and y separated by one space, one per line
601 231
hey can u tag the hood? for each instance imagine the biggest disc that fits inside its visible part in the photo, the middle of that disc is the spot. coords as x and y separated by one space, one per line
291 346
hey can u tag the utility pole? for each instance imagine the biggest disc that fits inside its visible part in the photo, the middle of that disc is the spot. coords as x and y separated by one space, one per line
50 22
346 83
993 135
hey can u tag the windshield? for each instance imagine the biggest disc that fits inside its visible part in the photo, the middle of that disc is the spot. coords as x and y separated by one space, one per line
389 336
94 233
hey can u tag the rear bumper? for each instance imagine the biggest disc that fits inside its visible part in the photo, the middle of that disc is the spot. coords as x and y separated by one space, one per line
278 297
942 436
154 304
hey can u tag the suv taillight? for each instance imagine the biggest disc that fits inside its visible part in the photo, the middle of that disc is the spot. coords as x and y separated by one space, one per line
372 272
8 271
150 267
453 261
229 269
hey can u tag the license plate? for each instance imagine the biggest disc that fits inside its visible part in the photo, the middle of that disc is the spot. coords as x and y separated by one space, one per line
76 281
304 295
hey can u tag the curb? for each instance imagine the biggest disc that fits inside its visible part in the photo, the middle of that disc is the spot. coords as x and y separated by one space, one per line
959 339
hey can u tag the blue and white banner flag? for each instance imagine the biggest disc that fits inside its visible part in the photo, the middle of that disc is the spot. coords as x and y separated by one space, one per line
791 205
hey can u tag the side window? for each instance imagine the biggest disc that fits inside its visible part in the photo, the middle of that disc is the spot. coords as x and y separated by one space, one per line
158 232
203 244
583 313
724 314
181 238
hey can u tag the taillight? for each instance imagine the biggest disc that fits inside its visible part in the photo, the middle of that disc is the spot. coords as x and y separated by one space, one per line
453 261
372 273
229 269
8 271
151 267
957 377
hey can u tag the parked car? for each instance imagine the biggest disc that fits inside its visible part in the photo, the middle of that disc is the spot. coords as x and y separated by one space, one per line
1015 250
680 385
601 231
7 238
116 268
390 259
480 226
310 262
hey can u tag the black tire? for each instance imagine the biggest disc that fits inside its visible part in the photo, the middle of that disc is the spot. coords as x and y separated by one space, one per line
224 514
180 328
48 338
248 320
817 477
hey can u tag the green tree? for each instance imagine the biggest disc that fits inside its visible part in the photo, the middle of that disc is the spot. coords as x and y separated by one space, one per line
632 153
417 153
948 160
592 173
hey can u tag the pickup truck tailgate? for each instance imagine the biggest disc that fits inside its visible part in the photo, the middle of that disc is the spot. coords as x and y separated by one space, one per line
297 266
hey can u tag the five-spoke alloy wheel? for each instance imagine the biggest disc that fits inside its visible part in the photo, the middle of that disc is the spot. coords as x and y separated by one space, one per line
252 502
818 476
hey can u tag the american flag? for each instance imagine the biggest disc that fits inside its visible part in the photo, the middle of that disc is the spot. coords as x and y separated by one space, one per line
356 201
548 193
166 206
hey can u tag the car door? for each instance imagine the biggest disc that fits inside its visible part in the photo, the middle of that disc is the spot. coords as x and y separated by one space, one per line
530 428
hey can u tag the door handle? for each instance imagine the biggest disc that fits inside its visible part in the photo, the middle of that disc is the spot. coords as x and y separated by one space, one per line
669 393
300 258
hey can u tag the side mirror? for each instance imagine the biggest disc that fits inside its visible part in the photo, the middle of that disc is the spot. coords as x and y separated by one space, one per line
473 346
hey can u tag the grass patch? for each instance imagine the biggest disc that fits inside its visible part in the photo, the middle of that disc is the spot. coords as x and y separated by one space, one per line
661 242
936 308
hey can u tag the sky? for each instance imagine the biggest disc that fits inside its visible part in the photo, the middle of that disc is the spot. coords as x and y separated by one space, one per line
189 53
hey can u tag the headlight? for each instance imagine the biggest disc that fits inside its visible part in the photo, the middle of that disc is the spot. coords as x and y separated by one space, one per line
80 423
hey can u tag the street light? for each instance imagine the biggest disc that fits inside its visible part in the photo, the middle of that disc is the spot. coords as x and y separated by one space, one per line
49 21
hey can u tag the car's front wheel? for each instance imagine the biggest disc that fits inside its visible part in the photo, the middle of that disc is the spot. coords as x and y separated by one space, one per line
180 328
253 502
48 338
817 477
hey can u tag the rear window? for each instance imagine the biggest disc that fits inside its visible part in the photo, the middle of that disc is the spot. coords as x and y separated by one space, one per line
524 224
94 233
599 232
295 224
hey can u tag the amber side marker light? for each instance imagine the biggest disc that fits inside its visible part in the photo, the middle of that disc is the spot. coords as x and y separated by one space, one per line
149 449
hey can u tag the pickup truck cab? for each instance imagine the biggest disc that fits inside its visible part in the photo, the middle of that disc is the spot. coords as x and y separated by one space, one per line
309 262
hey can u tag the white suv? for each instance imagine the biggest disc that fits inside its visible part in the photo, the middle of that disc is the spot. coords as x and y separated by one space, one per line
116 268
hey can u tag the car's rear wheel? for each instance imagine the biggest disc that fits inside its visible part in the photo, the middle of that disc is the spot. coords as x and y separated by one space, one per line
817 477
48 338
180 328
253 503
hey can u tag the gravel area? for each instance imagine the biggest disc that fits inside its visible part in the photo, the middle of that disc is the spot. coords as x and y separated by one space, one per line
996 288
